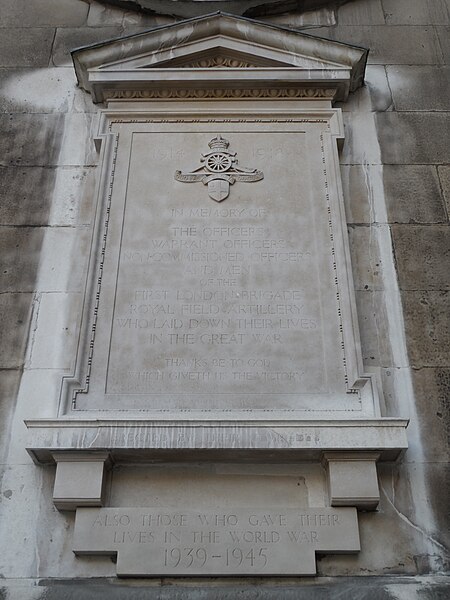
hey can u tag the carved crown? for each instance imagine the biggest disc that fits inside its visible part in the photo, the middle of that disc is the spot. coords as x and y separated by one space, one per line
218 143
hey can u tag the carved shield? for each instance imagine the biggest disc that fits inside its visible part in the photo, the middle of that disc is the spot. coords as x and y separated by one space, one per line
218 189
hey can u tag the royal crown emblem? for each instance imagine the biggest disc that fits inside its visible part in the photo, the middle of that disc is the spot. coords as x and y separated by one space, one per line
218 170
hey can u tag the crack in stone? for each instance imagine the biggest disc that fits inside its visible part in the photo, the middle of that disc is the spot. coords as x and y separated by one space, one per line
410 523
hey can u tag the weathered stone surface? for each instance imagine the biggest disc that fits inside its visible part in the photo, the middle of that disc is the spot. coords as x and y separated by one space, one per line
366 263
21 204
413 138
229 485
43 13
444 178
30 139
356 588
9 385
374 95
24 484
444 40
249 8
298 19
54 333
425 12
413 194
42 90
68 39
438 479
372 317
73 196
397 483
391 45
427 324
395 378
422 254
361 147
63 260
15 316
432 391
20 250
101 15
27 191
420 88
46 140
356 193
25 50
361 13
77 144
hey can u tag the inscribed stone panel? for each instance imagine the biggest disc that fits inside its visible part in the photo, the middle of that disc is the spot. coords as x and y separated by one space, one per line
161 541
224 279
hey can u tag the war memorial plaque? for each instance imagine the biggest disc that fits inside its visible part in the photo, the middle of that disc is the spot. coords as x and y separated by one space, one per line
223 286
160 541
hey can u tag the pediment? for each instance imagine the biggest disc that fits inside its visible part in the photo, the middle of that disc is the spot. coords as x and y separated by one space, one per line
219 57
221 51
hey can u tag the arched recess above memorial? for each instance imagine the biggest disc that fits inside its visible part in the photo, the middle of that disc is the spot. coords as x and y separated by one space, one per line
247 8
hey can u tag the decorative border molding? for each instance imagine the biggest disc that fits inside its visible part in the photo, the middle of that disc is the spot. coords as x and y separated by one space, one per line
220 93
218 62
333 254
82 382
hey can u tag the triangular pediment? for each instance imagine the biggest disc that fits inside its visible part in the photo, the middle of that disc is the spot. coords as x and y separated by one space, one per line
218 50
218 57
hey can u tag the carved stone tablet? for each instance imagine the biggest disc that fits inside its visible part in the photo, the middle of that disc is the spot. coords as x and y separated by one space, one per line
217 309
258 541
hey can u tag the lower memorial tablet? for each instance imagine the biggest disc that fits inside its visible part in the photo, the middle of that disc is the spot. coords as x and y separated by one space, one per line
265 541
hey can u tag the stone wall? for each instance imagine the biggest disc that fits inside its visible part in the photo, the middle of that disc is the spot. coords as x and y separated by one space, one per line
397 189
407 93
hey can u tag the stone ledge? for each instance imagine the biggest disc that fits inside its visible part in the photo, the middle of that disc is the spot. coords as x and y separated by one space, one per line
292 588
134 440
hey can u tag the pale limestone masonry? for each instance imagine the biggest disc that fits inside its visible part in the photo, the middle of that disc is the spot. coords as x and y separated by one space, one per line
396 185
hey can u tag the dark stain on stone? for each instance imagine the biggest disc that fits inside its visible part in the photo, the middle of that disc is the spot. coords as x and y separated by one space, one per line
437 592
374 588
22 190
246 8
27 142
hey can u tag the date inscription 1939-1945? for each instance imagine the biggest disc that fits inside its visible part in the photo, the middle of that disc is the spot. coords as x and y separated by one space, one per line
162 541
